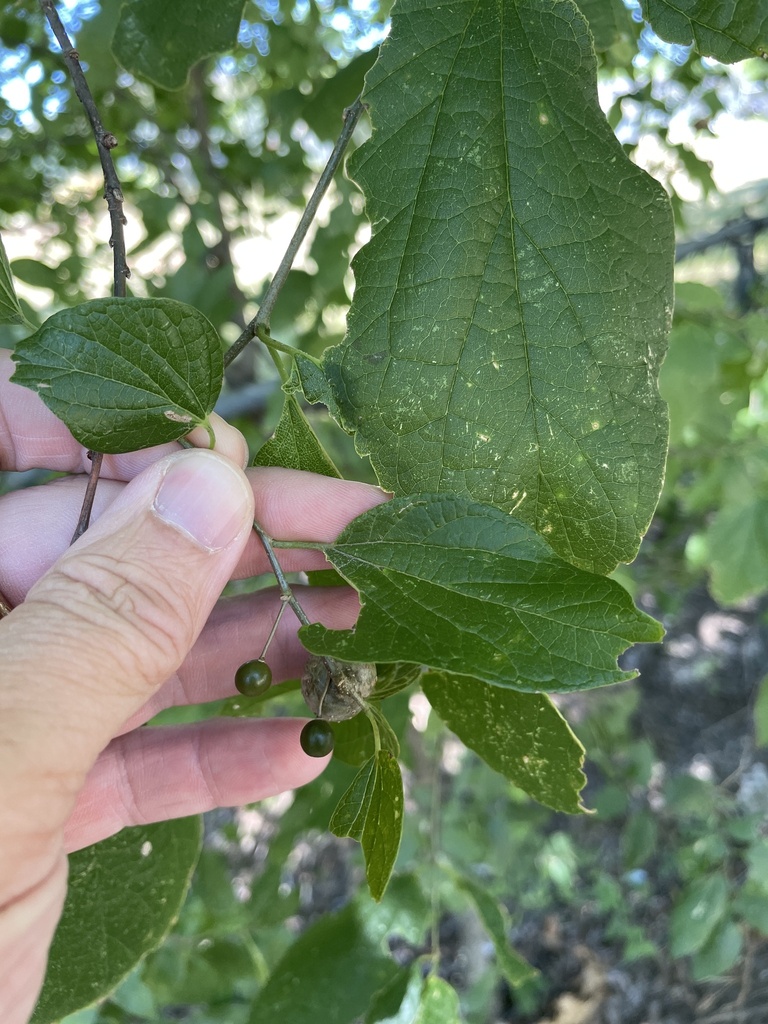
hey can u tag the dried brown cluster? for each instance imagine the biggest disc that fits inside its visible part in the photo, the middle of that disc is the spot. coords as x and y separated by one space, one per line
336 690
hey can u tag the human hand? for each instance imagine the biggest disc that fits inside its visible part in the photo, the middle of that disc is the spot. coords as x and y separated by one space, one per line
122 624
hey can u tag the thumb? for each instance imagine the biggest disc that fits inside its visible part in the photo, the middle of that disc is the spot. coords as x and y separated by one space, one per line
117 614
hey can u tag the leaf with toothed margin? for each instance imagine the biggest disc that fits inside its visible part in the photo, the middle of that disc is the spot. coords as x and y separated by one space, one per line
452 584
511 308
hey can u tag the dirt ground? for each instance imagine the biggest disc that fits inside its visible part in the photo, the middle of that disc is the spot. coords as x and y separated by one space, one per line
696 692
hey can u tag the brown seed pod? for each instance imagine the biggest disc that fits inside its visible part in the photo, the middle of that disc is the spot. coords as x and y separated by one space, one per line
336 690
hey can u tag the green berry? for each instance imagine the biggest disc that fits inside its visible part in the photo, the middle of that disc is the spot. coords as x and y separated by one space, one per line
317 738
253 678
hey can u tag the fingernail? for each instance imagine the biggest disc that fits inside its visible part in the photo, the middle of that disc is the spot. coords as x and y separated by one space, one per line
204 496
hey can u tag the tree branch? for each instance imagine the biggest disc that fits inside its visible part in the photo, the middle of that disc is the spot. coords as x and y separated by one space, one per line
113 194
105 141
733 233
351 117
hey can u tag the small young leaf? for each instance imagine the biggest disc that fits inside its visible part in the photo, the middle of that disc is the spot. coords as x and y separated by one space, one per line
10 311
351 811
161 40
353 741
153 863
456 585
371 812
439 1003
521 735
329 974
310 378
495 919
394 678
124 374
294 444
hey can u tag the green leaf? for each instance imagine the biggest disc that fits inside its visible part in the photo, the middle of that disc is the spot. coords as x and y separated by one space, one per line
511 308
257 707
452 584
161 40
371 812
697 913
638 840
294 444
10 311
323 109
521 735
102 935
394 678
722 950
332 969
354 741
36 273
124 374
399 1002
325 578
737 546
751 904
610 22
439 1003
760 713
495 920
308 376
728 31
423 1000
407 912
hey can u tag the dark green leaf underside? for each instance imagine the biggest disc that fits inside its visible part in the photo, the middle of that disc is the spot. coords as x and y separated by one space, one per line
511 308
161 40
371 812
102 934
294 444
452 584
521 735
124 374
728 30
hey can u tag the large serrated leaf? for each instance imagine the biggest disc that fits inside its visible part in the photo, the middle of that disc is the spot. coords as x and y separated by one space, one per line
452 584
124 374
511 308
329 974
371 812
521 735
10 311
728 30
161 40
102 934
